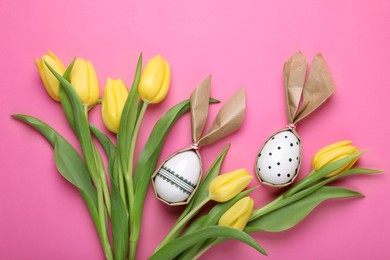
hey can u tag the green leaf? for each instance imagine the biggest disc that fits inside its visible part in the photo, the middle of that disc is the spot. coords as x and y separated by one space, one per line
203 191
349 172
119 214
149 155
362 171
81 124
106 143
217 211
49 133
290 215
321 173
65 101
74 172
70 165
119 223
139 108
68 161
129 119
175 247
109 149
212 218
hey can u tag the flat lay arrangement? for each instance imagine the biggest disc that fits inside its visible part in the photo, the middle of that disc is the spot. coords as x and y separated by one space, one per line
115 193
194 130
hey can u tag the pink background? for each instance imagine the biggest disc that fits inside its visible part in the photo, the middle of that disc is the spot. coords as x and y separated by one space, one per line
240 43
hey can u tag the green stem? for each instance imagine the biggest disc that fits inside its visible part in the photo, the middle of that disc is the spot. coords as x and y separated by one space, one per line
103 179
302 184
102 172
267 208
284 200
180 225
122 185
129 182
95 216
204 249
103 223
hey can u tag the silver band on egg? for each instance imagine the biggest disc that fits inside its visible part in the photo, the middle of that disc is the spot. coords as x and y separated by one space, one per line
174 179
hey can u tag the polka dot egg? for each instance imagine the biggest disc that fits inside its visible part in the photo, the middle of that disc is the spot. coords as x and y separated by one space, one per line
279 159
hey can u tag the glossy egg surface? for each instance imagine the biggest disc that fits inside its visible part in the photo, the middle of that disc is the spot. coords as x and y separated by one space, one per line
177 178
278 162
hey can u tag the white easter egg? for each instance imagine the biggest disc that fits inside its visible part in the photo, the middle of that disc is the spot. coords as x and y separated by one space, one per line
278 162
178 177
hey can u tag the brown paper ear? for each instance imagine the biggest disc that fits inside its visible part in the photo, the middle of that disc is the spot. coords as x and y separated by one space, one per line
294 79
318 88
199 107
228 119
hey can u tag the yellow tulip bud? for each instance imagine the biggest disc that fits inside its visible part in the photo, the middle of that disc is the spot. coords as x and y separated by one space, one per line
228 185
84 79
238 215
114 99
334 152
49 80
155 80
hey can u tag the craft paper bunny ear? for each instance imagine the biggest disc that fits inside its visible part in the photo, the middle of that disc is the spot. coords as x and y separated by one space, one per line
199 108
228 119
318 88
278 161
294 79
177 179
302 97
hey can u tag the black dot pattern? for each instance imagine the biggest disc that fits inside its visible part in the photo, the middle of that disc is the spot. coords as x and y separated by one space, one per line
279 165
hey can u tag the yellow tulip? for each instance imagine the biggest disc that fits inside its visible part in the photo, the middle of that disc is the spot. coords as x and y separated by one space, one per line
334 152
114 99
49 80
228 185
238 215
84 79
155 80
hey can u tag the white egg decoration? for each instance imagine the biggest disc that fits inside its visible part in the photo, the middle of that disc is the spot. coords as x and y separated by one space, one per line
279 159
177 179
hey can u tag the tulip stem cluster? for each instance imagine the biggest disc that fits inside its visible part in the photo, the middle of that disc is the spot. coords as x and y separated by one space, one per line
181 224
222 188
121 207
102 173
129 180
207 247
77 89
302 197
103 224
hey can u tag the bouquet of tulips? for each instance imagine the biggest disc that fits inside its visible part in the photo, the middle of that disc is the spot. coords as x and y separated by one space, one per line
114 194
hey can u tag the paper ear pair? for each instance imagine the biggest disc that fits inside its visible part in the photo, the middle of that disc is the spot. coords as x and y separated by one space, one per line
177 179
278 160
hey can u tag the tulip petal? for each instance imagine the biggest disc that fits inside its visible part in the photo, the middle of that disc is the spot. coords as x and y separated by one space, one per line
226 186
155 80
238 215
165 84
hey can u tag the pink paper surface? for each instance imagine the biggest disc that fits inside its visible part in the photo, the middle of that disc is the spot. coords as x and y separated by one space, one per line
240 43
